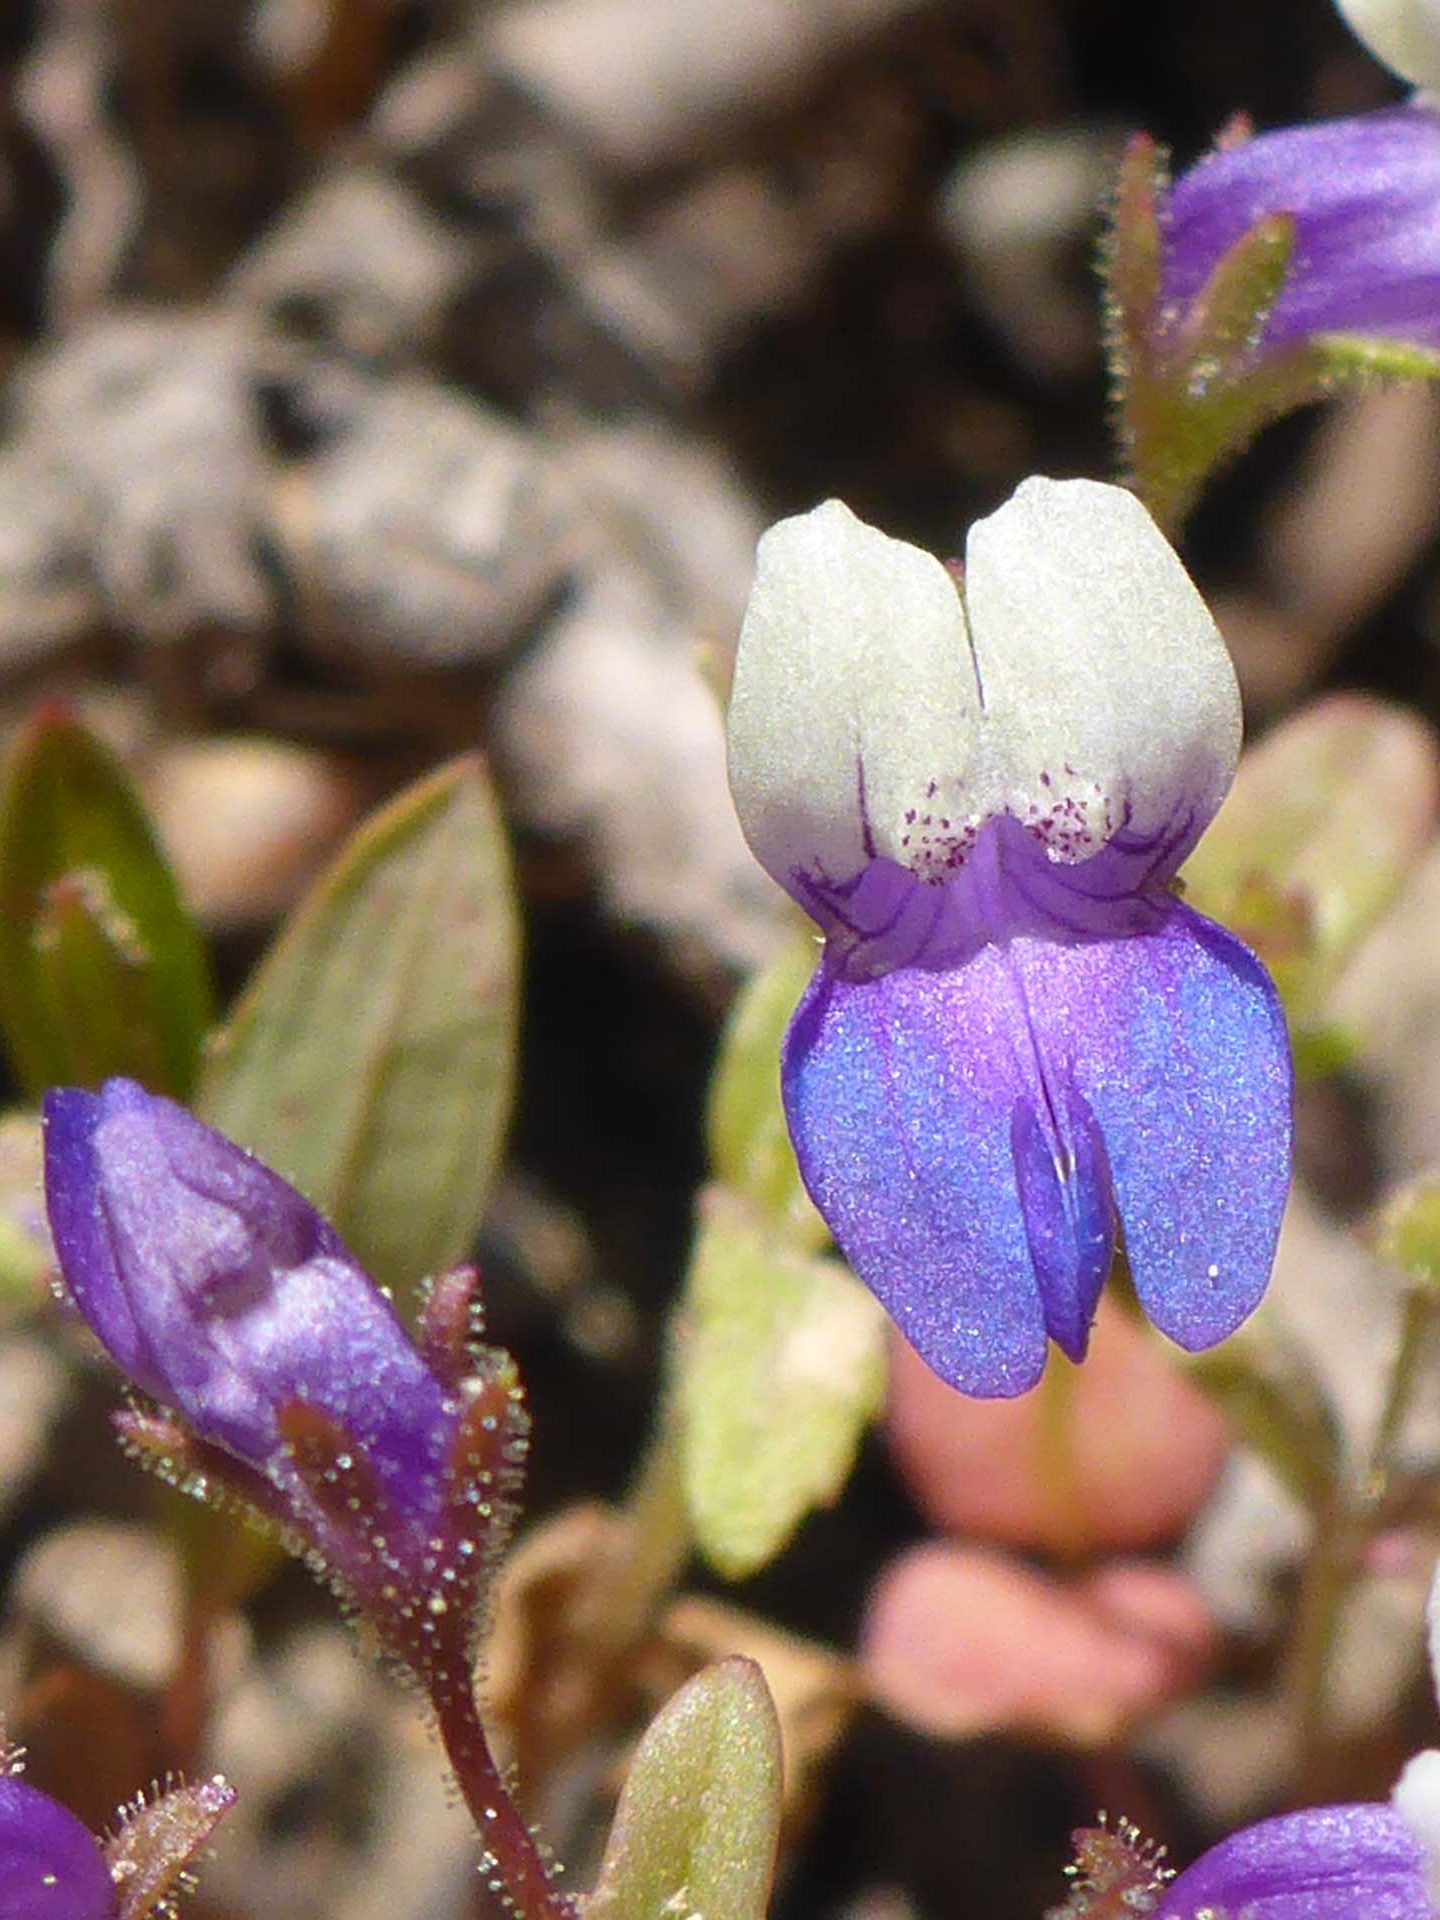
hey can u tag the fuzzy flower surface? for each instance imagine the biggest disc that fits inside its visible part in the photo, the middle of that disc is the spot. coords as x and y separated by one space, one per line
51 1867
1019 1041
226 1298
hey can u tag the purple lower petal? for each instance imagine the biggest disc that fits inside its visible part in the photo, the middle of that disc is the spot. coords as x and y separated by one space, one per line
1329 1863
1176 1040
923 1130
1365 197
968 1133
51 1867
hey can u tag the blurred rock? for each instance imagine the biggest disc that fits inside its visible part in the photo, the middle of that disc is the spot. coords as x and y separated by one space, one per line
637 84
357 262
63 93
35 1389
345 1813
248 823
609 729
109 1595
426 532
607 734
1022 215
146 421
48 596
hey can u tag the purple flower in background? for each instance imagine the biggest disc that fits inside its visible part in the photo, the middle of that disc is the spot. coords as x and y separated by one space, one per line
1364 196
1357 1862
1018 1039
223 1294
51 1867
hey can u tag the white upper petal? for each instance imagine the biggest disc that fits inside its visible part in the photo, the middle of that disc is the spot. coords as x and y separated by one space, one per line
1090 695
853 691
1404 34
1110 700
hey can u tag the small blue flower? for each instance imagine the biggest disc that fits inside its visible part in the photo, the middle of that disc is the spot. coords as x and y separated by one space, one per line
1364 196
1018 1041
1357 1862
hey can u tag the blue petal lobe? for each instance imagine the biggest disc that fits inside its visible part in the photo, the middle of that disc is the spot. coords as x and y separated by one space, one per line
1176 1040
925 1133
1328 1863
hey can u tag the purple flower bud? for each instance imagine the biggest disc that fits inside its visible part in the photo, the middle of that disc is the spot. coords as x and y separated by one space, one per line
51 1867
226 1297
1364 194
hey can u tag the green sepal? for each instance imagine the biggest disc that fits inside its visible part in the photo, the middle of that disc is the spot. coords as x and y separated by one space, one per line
371 1058
1351 357
102 971
699 1818
1130 254
779 1370
157 1841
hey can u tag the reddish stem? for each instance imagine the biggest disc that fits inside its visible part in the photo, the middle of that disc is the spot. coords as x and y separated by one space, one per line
513 1857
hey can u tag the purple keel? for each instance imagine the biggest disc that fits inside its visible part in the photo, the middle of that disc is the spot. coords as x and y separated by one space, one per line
51 1867
1328 1863
969 1133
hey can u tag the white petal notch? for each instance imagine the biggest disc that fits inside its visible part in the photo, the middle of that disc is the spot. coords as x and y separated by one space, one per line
1403 35
854 690
1082 688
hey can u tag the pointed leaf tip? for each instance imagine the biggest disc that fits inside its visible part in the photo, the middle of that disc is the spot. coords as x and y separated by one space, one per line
372 1054
699 1819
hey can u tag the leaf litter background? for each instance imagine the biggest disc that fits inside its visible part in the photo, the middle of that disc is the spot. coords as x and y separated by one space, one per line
383 380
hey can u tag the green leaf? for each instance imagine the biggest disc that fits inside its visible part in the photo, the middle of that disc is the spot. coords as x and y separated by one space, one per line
25 1256
1408 1232
1325 818
698 1822
371 1057
101 969
780 1367
749 1143
1266 1388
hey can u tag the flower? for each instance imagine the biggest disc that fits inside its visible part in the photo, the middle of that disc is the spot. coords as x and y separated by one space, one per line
1017 1036
228 1299
1364 196
51 1867
1358 1862
1375 1860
